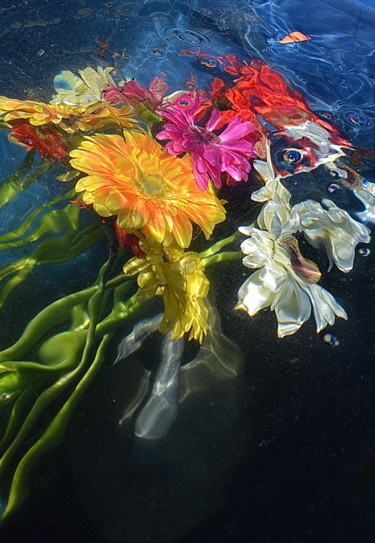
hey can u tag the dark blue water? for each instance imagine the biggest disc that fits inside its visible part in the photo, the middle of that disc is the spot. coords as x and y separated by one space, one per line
288 453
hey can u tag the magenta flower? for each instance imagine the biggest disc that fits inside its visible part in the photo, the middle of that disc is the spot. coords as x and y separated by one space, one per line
211 153
132 93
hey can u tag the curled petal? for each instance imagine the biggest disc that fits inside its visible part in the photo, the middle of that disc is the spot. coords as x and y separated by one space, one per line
253 295
331 228
325 307
292 308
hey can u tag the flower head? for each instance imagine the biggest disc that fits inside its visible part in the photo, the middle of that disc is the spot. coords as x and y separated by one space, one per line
262 96
132 93
177 276
146 188
211 153
48 142
70 118
285 280
82 89
331 228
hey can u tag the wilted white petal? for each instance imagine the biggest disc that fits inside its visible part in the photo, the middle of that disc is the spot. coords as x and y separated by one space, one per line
325 307
253 295
273 186
325 151
258 248
367 196
247 230
265 171
292 308
332 228
273 216
273 276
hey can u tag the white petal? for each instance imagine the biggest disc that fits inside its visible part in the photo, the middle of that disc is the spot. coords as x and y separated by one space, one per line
332 228
253 296
292 309
367 196
324 305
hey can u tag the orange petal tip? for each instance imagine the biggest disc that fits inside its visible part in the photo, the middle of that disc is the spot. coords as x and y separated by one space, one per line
295 37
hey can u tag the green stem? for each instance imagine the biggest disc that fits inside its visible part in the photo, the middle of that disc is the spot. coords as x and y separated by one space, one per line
54 314
18 181
216 247
53 433
225 256
88 338
26 225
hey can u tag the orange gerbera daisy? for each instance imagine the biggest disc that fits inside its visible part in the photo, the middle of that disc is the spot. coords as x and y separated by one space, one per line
148 189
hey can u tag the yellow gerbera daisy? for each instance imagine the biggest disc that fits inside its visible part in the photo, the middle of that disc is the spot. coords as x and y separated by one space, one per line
70 118
148 189
177 276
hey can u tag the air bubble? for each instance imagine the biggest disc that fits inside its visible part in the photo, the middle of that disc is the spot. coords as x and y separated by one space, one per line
364 251
331 340
333 187
325 115
358 119
292 156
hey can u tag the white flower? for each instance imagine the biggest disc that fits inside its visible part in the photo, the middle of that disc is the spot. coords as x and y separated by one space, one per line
331 228
285 281
273 186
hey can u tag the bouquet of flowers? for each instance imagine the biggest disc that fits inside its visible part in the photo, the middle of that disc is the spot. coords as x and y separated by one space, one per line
148 167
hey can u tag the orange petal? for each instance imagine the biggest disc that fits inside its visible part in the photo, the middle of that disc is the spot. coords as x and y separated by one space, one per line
294 37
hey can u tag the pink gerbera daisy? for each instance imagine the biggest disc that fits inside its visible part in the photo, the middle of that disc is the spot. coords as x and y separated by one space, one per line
212 152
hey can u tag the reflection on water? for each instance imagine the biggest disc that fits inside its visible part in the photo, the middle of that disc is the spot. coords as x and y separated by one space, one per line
173 435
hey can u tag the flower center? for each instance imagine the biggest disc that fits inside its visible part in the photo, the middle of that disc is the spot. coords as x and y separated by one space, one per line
304 268
202 135
151 183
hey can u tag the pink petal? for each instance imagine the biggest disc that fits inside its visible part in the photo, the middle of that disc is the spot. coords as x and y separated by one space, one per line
215 117
212 155
236 130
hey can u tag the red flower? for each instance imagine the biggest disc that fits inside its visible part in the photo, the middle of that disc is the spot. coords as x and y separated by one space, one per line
47 142
128 240
261 95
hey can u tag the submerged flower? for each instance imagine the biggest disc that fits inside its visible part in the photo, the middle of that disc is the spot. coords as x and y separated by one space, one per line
47 142
134 94
70 118
285 280
211 153
262 96
177 276
146 188
331 228
82 89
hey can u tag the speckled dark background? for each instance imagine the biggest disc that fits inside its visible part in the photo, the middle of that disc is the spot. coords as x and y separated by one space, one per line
303 469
